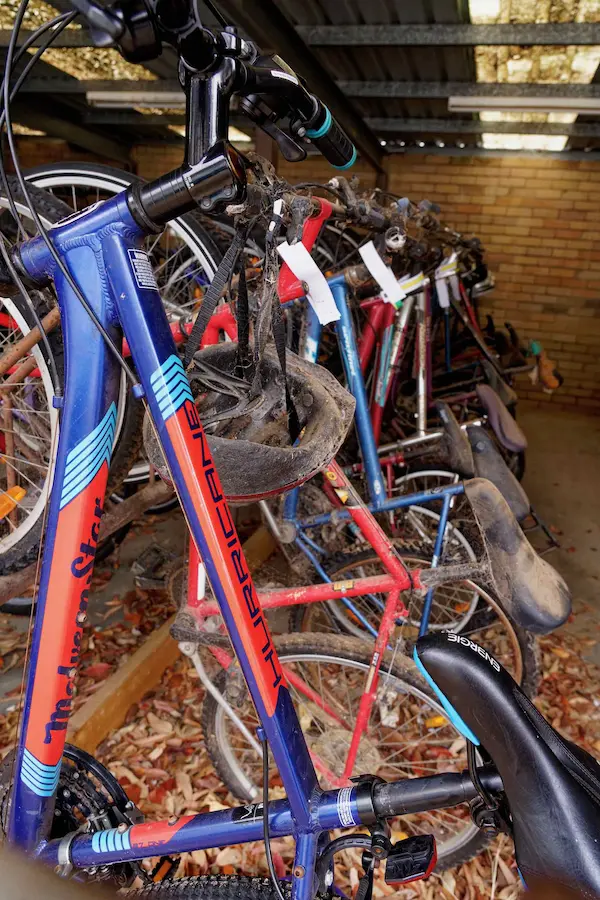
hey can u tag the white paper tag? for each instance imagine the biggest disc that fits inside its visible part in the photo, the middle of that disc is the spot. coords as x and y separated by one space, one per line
412 283
383 275
306 270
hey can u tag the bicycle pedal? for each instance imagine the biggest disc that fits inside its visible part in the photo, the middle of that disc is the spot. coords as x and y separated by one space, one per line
164 869
411 859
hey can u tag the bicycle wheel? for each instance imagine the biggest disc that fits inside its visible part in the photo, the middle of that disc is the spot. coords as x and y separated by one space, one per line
463 607
408 733
184 258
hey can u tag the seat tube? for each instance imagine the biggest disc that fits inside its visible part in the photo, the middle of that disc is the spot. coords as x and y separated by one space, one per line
421 364
349 351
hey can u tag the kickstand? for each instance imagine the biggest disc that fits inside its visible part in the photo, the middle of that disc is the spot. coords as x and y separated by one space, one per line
540 525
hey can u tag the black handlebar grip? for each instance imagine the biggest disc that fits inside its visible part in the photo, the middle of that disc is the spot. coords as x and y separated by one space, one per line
332 141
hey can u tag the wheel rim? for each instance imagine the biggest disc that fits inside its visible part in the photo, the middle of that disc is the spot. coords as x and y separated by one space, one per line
34 422
428 746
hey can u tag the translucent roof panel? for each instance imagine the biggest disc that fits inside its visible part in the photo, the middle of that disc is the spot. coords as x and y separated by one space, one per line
80 62
541 65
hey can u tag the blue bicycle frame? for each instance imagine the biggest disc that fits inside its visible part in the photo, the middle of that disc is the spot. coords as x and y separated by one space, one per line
101 249
379 502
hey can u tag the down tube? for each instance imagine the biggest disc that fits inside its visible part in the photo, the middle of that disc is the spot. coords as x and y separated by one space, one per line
87 429
176 419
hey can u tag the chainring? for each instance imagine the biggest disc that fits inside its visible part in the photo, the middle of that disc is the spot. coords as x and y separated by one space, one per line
88 798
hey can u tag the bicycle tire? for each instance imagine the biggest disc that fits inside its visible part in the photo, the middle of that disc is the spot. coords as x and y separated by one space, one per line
359 654
527 642
217 887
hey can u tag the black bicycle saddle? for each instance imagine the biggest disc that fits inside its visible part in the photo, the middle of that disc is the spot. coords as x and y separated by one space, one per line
507 431
530 590
551 785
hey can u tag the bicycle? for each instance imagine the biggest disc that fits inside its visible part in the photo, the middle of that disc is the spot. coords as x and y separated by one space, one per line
99 248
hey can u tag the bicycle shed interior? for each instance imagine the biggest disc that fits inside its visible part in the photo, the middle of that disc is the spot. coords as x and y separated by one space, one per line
489 109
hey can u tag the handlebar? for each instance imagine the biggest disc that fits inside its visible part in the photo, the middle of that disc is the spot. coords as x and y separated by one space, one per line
332 140
271 90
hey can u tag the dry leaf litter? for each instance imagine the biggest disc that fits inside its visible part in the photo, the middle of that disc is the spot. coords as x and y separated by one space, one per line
158 754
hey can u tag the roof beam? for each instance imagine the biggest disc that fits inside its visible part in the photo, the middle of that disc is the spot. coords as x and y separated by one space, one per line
70 37
127 118
383 89
264 21
55 126
433 35
68 85
444 89
436 35
476 126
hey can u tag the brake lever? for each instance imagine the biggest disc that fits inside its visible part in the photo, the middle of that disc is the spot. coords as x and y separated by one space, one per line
262 115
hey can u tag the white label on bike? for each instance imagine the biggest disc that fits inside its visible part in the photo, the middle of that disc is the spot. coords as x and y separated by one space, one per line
383 275
412 283
277 73
444 274
344 807
307 271
277 208
142 270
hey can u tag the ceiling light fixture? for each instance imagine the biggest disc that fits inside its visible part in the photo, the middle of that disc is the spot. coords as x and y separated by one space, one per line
581 106
127 99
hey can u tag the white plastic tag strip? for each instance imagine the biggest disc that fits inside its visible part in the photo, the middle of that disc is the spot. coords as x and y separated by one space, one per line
383 275
448 267
306 270
411 284
441 289
443 273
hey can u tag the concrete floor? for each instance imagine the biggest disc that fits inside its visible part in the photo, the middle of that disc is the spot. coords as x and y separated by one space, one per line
562 480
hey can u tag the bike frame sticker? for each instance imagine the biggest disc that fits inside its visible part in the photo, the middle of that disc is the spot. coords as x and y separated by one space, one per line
344 807
247 813
142 270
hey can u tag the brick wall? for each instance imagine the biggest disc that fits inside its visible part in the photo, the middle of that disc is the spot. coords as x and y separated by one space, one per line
538 219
